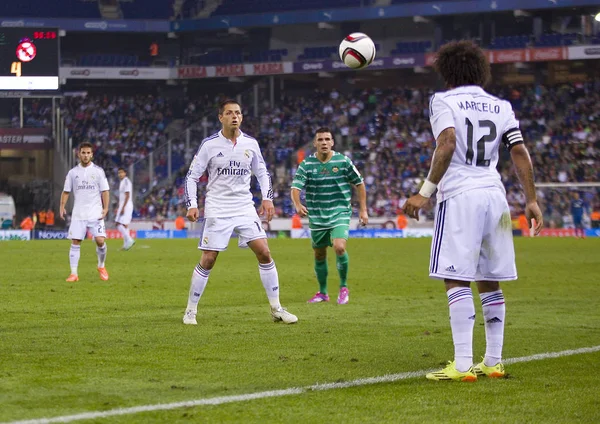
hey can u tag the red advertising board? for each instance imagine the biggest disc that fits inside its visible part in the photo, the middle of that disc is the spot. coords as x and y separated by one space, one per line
268 68
114 234
191 72
554 232
230 71
548 54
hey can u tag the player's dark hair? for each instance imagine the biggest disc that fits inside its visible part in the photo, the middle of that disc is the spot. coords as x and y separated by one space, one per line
122 169
84 145
225 103
323 130
462 63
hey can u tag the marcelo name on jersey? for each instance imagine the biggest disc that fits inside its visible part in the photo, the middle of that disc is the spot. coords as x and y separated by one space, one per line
479 106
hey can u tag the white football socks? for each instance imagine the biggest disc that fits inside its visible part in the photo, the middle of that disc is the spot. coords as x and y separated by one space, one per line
74 254
462 321
494 312
197 286
270 281
101 252
124 233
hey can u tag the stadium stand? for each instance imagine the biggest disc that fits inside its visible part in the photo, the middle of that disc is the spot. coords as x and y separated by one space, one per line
387 134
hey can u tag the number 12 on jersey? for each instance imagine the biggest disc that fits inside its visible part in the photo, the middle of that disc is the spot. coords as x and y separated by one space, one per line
480 144
15 68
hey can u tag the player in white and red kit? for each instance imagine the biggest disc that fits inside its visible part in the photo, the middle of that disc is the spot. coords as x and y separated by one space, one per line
90 189
125 209
231 157
472 238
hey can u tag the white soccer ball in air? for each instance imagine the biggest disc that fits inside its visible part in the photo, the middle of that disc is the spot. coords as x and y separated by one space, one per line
357 50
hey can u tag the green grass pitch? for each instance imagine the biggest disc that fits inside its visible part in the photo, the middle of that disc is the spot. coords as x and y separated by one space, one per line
69 348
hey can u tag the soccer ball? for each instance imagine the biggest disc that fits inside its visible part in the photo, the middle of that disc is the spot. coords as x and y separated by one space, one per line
357 50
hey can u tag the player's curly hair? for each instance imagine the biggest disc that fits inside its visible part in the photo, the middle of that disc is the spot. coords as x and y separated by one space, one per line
85 144
225 103
462 63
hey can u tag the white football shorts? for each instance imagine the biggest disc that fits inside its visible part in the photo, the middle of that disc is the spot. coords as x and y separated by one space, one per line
216 232
125 219
472 238
79 228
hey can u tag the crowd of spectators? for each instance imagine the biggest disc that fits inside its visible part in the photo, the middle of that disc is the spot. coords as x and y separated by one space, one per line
388 136
385 131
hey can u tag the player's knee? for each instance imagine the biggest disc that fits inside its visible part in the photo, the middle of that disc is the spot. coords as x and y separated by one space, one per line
320 254
340 248
264 256
208 261
100 242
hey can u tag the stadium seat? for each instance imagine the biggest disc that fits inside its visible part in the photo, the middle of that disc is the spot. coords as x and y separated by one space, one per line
48 9
235 7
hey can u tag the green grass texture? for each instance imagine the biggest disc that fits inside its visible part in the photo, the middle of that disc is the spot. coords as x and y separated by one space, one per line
70 348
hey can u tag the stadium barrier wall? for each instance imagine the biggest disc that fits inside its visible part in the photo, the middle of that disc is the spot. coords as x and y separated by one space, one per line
15 235
539 54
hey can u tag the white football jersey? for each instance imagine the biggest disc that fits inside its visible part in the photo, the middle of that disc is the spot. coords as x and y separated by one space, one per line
86 183
481 121
125 186
230 170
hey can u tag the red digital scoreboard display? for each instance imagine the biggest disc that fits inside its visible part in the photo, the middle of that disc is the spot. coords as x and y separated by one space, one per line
29 59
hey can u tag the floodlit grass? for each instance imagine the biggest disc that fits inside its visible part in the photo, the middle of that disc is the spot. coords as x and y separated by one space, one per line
67 348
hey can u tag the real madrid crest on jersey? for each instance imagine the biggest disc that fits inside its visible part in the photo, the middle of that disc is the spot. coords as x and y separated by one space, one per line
247 153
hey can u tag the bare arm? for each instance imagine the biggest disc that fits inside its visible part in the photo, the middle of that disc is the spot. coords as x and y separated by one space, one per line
362 203
520 157
524 167
446 144
64 198
105 203
300 208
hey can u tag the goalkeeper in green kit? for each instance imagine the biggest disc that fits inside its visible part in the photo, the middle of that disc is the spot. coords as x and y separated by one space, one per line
327 177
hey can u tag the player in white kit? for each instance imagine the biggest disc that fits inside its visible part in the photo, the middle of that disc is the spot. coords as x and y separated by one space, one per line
90 189
473 230
231 157
125 209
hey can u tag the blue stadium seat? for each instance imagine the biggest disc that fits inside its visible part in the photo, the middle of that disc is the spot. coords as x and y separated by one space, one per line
510 42
236 7
551 40
147 9
109 60
49 9
412 47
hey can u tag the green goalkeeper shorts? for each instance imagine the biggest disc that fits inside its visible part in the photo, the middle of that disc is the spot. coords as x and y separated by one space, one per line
324 238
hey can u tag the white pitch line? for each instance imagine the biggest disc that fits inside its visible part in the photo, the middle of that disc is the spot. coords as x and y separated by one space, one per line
389 378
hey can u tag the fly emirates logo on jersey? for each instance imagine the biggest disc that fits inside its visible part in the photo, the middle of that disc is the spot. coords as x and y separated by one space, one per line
86 185
234 168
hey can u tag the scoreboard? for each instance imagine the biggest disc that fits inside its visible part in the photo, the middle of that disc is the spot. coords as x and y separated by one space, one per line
29 59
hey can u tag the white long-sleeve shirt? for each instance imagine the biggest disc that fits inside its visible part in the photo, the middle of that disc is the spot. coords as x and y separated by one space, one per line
230 168
87 183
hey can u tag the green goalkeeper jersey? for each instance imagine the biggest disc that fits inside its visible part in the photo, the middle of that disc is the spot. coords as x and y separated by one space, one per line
328 187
